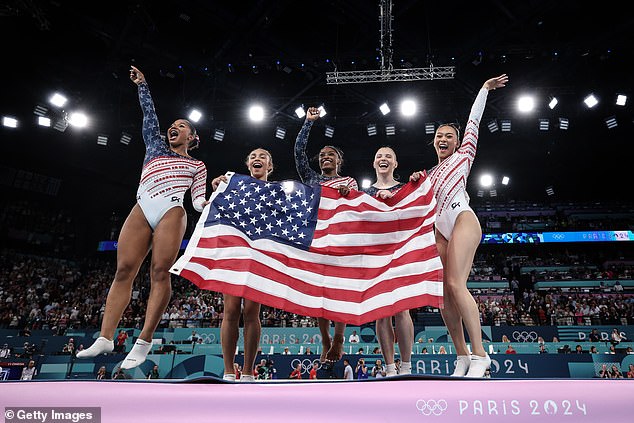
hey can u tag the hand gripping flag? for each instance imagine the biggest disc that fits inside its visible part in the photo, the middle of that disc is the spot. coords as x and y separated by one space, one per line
308 250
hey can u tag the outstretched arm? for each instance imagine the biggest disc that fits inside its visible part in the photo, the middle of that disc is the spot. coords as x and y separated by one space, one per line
470 139
151 129
304 170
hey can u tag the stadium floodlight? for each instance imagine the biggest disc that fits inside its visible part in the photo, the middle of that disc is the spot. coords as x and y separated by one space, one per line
219 134
408 107
430 128
195 115
102 139
125 138
505 125
544 124
610 122
44 121
329 131
366 183
486 180
390 129
280 132
9 122
58 100
564 123
505 180
553 103
78 119
371 129
493 126
621 100
384 108
322 111
590 101
300 112
526 104
256 113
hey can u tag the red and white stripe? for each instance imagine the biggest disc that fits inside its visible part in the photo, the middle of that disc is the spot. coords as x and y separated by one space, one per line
369 259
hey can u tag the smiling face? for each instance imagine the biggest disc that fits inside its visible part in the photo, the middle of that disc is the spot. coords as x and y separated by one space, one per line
329 160
180 133
446 141
260 163
385 161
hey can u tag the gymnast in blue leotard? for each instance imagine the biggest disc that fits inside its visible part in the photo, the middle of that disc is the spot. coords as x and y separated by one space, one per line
157 222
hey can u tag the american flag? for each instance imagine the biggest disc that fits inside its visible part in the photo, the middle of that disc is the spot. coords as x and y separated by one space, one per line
308 250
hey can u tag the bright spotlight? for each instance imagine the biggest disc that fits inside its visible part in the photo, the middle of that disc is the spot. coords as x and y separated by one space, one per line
553 102
621 100
366 183
591 101
408 107
58 100
526 104
256 113
322 111
505 180
78 119
300 112
10 122
384 108
486 180
195 115
44 121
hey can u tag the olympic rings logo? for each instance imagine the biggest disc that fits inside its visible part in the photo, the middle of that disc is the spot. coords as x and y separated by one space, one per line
208 338
558 236
431 407
524 336
306 363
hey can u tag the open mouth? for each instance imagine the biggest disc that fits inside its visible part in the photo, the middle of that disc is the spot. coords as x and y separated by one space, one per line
257 165
384 165
173 133
326 161
443 147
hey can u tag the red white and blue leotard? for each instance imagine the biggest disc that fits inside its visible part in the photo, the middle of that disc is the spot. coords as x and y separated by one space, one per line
166 175
449 177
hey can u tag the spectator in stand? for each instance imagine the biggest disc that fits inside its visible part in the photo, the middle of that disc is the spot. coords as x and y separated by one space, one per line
29 372
353 338
593 350
616 337
579 349
154 373
615 372
630 372
297 372
361 370
378 371
442 350
101 373
542 349
510 350
120 344
594 336
313 370
604 373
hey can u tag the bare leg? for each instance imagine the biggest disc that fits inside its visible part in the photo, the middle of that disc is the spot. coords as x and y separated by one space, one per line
133 245
461 249
385 335
450 313
324 330
336 349
252 330
404 328
229 330
167 239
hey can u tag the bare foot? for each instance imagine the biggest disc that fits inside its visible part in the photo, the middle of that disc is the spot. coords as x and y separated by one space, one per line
336 350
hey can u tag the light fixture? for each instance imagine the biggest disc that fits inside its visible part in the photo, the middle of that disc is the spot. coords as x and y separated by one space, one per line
430 128
44 121
610 122
563 123
9 122
550 190
219 134
493 193
329 131
102 139
195 115
505 180
280 132
300 112
40 110
505 125
480 193
366 183
371 129
591 101
493 126
384 108
390 129
408 107
553 103
322 111
526 104
621 100
62 123
544 124
256 113
58 100
486 180
78 119
125 138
